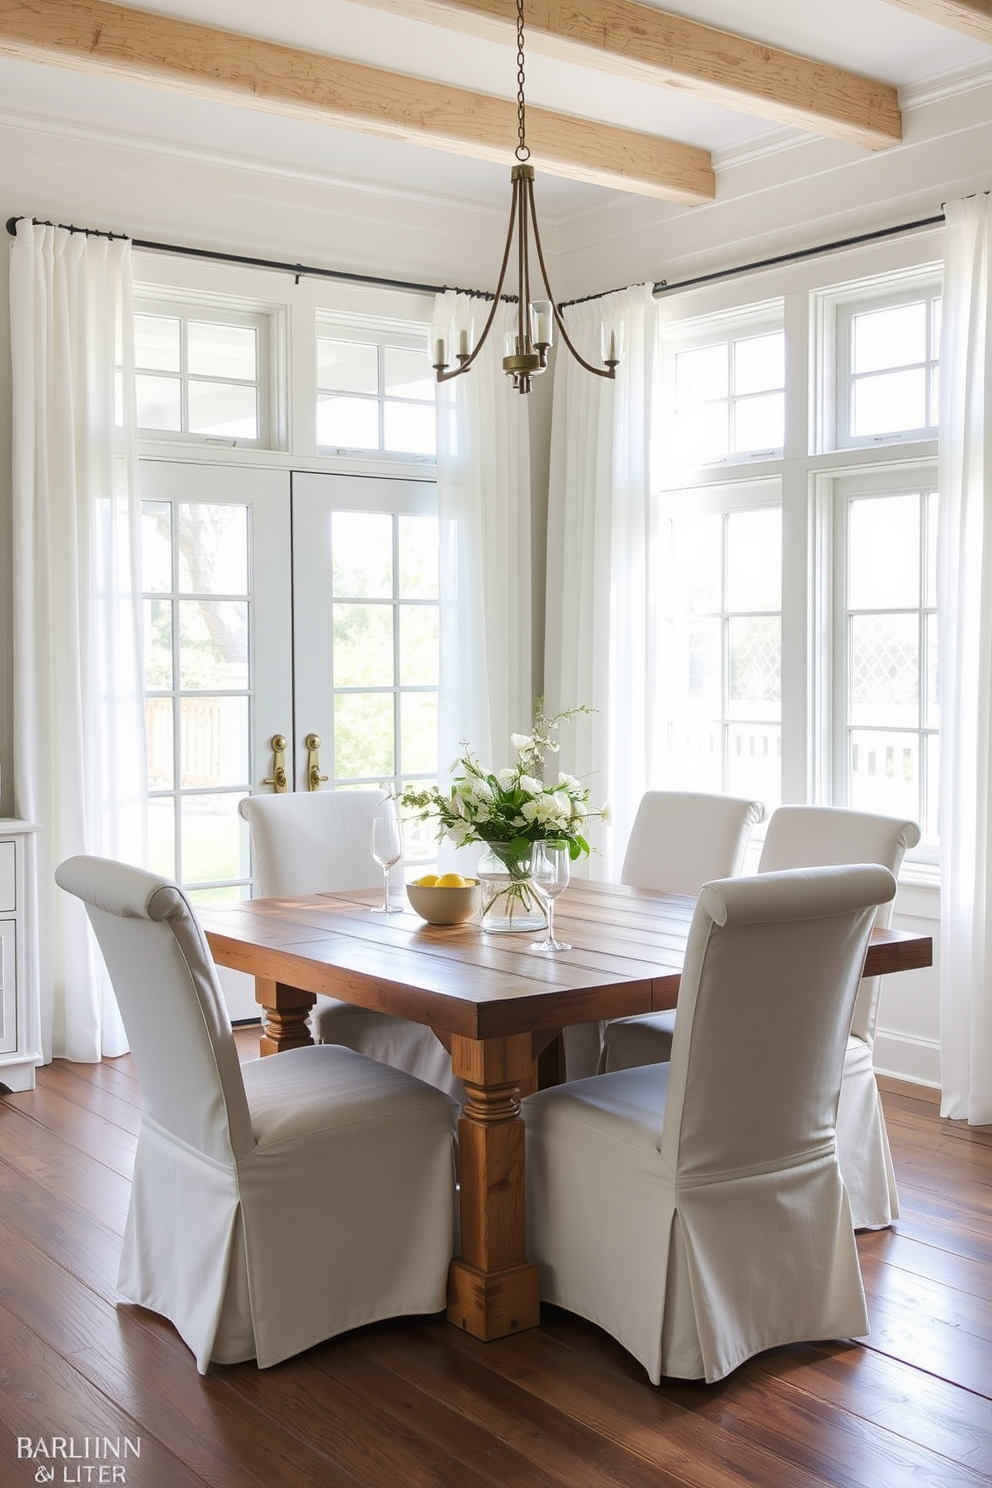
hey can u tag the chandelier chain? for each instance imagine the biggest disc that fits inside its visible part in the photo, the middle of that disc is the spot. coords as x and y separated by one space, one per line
522 151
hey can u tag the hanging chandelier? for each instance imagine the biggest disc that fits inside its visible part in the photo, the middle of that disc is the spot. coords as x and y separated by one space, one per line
527 347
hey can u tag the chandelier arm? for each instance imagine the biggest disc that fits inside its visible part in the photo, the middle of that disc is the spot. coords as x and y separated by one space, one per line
443 376
523 275
607 371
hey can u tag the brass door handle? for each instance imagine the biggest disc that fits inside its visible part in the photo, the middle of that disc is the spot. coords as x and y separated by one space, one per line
314 777
279 780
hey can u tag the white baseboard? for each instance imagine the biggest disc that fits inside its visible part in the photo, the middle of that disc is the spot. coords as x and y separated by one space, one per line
905 1058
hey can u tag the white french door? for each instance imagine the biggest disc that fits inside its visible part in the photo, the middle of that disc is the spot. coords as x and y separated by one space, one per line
290 612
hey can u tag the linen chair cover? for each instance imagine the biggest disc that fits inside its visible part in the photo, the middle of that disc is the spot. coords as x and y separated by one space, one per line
807 836
250 1181
695 1210
309 842
803 837
679 841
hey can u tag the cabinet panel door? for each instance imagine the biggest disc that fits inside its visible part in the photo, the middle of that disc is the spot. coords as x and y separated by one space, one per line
8 987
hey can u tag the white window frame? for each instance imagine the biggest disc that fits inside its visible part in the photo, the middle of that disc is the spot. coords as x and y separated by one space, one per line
369 331
722 498
724 328
834 311
831 494
268 322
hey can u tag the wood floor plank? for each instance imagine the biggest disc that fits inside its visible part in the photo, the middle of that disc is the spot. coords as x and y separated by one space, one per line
43 1395
416 1402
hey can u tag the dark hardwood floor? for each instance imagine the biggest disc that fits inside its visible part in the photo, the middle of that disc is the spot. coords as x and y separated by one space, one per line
417 1404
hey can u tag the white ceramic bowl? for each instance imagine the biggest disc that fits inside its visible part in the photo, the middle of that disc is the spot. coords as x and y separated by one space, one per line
444 906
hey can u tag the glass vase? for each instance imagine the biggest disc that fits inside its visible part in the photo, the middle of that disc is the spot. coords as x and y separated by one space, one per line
509 900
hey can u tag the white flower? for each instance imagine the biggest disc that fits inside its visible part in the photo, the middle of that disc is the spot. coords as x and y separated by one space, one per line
569 783
606 812
522 742
507 777
530 786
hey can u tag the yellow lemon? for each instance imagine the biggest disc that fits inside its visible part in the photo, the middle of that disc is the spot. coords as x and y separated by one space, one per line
428 881
450 881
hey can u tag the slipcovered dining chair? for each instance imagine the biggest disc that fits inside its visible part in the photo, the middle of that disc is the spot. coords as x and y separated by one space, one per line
311 842
679 841
251 1180
803 837
695 1209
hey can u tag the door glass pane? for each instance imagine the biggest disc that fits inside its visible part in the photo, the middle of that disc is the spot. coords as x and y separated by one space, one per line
158 644
885 670
162 835
362 555
884 553
213 645
363 645
363 736
347 366
223 351
157 342
418 558
418 732
419 643
158 729
754 559
213 548
214 741
159 402
223 409
348 423
211 838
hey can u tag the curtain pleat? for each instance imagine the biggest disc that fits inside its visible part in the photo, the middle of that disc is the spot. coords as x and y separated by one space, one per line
964 593
597 634
79 751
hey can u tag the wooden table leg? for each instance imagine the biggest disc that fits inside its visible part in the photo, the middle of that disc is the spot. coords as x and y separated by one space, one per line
284 1016
492 1288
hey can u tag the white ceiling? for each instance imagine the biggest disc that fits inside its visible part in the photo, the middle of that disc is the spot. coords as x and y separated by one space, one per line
866 36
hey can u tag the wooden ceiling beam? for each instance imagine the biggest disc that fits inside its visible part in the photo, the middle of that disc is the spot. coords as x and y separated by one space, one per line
116 41
973 17
643 43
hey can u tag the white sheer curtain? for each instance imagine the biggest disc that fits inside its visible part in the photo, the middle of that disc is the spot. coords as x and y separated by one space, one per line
79 750
483 465
965 620
597 622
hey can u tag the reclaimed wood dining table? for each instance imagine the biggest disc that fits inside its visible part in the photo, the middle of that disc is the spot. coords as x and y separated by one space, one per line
498 1006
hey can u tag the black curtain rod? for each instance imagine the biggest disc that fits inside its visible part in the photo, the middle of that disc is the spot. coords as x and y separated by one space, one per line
663 286
299 271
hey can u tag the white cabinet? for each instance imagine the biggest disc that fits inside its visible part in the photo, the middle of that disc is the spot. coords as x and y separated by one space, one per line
20 1045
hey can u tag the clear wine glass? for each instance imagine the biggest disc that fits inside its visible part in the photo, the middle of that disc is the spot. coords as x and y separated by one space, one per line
550 869
387 849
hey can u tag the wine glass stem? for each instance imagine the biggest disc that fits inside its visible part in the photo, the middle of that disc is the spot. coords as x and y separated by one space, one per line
385 890
551 921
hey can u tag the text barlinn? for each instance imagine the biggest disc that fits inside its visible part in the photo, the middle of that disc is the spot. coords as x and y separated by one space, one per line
79 1448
